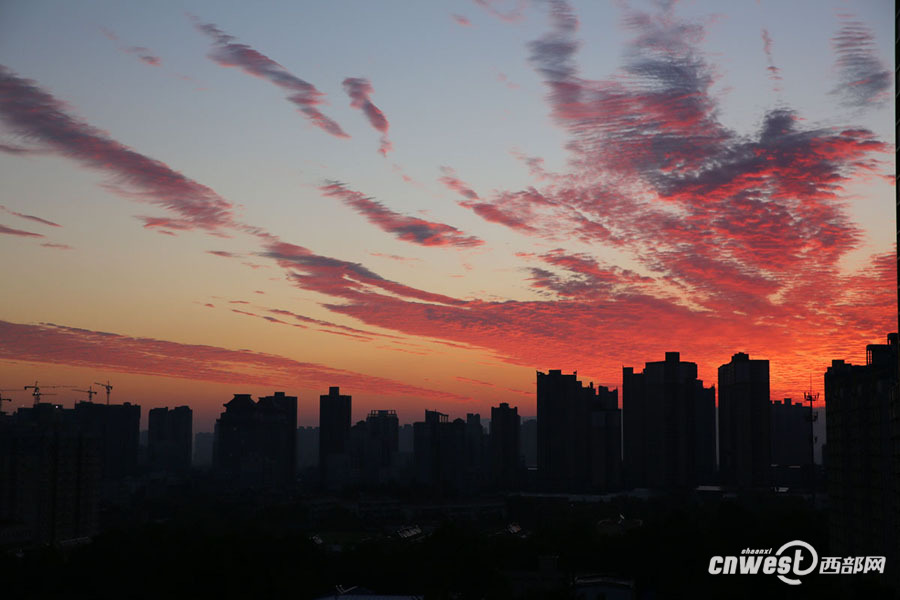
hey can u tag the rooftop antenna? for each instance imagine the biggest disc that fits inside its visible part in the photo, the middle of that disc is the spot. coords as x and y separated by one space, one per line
90 392
107 387
813 417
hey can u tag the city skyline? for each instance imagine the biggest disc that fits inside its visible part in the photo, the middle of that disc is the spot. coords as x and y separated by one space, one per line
285 200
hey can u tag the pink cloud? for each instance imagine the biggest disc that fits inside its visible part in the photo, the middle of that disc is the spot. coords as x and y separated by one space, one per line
57 344
30 217
10 231
302 94
408 229
144 54
359 91
502 10
774 72
36 115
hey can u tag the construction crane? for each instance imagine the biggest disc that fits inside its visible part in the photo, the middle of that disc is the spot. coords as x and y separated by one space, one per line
2 400
107 387
37 391
90 392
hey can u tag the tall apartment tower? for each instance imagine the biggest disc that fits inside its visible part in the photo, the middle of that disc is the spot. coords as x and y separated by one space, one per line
505 423
669 425
745 451
860 459
117 430
578 434
50 470
334 434
170 438
373 447
255 443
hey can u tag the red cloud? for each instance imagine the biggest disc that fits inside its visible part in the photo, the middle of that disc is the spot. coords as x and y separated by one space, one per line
408 229
56 344
736 238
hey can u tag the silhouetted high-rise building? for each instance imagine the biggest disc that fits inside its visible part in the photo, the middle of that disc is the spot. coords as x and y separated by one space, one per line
307 447
605 440
860 458
669 425
169 438
384 434
578 434
426 447
505 464
477 453
374 444
528 442
49 476
792 456
117 429
204 442
334 434
744 422
255 442
440 452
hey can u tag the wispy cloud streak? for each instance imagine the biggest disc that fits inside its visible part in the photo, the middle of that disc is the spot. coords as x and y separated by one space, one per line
18 232
302 94
30 217
56 344
37 116
145 55
864 80
359 91
408 229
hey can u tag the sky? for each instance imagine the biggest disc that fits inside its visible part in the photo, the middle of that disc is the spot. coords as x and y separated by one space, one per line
424 203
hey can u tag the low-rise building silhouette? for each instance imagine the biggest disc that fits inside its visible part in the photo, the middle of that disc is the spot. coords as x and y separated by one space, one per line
169 439
307 447
669 425
204 442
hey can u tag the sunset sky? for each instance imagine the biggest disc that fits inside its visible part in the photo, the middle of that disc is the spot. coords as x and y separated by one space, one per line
425 202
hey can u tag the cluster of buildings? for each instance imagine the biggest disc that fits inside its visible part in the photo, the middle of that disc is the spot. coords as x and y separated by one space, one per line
666 434
55 463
